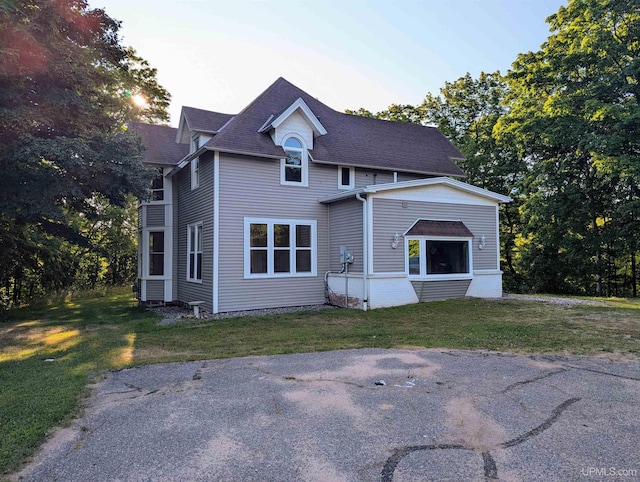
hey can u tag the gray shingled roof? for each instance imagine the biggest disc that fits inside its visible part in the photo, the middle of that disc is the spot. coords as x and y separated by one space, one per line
204 120
350 140
426 227
160 144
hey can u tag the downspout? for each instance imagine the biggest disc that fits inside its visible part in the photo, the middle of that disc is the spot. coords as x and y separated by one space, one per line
365 252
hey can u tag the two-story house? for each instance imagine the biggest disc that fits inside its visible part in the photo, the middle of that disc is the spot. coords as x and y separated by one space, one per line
292 203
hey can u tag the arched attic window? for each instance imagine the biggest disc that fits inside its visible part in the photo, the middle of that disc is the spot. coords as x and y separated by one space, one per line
294 167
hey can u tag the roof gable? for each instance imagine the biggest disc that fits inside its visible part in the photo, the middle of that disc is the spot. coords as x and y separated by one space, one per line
438 189
199 120
298 105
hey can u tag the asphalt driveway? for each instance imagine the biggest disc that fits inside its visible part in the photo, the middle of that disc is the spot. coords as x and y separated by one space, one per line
357 415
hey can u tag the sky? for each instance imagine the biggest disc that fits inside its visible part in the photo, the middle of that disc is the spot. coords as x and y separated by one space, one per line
220 55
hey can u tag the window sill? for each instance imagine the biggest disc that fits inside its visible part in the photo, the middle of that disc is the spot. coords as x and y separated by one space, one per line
280 276
291 183
195 281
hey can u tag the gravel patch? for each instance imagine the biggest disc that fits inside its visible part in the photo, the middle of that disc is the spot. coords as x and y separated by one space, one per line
174 314
555 300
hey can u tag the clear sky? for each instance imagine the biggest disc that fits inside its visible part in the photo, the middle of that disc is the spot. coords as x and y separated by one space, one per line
219 55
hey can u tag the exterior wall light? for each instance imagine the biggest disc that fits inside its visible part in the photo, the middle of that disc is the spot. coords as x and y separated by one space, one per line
396 240
482 242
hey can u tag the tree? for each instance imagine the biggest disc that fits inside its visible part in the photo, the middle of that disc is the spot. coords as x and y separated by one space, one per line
66 87
574 114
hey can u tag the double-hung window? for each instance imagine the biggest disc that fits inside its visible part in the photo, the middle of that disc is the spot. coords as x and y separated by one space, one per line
157 187
194 252
279 248
195 163
293 168
156 253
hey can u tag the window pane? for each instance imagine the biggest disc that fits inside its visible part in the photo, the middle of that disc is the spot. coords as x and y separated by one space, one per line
281 235
281 261
293 174
199 267
293 142
345 178
156 264
199 238
258 235
446 257
192 265
157 181
258 260
156 242
414 256
294 159
303 261
303 236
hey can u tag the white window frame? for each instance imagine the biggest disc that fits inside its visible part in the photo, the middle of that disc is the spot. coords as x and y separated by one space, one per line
423 258
146 259
304 167
197 229
352 178
270 222
195 162
160 174
195 173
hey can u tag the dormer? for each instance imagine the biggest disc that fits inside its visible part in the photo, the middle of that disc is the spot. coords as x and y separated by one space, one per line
297 120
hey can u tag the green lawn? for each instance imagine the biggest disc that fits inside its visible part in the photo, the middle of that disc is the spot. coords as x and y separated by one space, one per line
90 334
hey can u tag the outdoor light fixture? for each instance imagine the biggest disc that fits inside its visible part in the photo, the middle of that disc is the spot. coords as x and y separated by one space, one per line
396 239
483 241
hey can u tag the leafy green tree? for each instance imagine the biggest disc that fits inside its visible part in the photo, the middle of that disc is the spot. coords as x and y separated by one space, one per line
67 89
574 115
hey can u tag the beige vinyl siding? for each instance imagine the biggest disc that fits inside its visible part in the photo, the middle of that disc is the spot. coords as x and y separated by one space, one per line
345 228
155 215
440 290
251 188
195 206
155 290
367 177
390 217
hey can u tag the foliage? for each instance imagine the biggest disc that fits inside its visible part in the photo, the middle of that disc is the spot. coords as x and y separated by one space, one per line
66 88
574 116
88 334
560 135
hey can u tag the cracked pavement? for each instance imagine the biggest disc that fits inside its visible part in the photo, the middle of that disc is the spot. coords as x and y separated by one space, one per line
440 415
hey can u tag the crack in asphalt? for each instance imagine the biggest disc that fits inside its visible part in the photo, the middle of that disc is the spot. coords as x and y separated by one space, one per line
605 373
534 379
490 467
543 426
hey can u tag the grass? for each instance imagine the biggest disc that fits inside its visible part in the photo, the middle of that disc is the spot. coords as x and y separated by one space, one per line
88 335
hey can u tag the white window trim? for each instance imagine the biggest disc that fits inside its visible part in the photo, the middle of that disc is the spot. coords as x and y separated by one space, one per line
168 253
198 228
352 178
423 259
270 247
304 164
195 173
164 190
